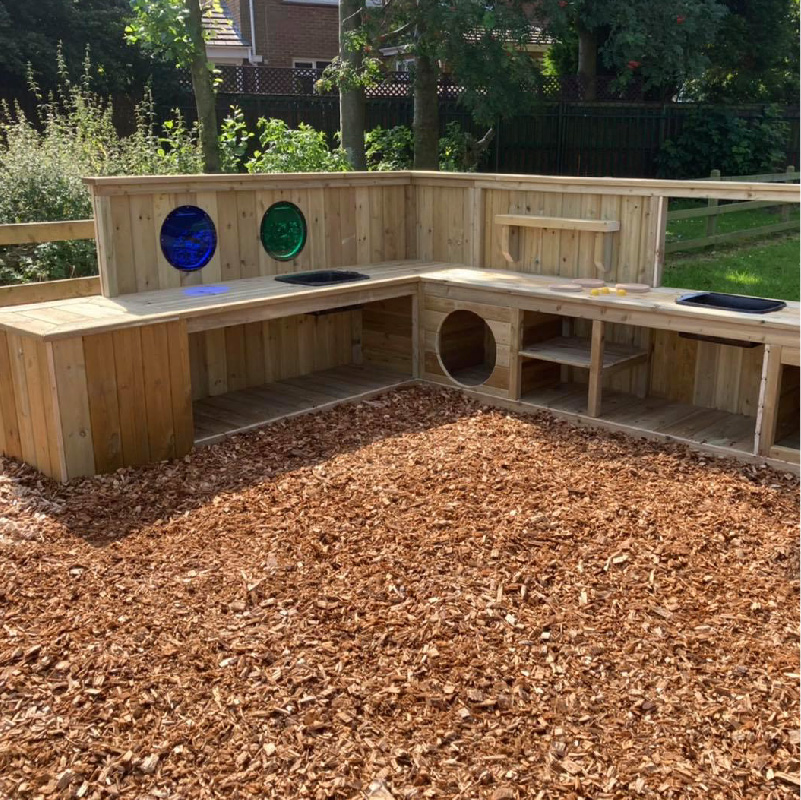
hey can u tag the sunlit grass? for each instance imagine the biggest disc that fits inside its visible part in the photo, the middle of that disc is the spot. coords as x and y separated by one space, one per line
763 269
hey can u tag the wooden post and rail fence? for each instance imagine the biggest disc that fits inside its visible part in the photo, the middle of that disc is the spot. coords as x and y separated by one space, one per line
713 211
71 230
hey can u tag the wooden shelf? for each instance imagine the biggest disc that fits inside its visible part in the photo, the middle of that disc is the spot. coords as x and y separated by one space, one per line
558 223
575 352
248 409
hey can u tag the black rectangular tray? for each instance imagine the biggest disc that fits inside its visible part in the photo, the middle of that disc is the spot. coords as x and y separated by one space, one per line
322 277
731 302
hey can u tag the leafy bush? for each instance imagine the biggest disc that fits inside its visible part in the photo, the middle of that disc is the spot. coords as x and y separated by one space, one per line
716 138
303 149
393 148
389 149
43 161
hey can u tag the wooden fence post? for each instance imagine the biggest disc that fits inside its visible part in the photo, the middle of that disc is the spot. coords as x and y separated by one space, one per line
712 220
785 208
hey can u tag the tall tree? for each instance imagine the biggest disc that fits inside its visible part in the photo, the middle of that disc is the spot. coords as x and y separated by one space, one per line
664 44
352 105
32 32
481 44
754 57
175 28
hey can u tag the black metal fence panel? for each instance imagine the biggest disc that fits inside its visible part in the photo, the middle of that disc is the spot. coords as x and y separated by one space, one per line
584 139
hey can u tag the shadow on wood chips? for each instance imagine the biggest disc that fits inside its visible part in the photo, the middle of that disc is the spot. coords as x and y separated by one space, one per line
411 597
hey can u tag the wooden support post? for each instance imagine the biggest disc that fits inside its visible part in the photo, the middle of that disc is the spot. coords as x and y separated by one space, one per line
785 207
712 219
596 368
768 406
510 243
515 362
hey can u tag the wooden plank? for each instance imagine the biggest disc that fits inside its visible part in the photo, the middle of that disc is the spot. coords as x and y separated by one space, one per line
248 232
714 211
129 366
10 436
38 232
105 246
69 368
180 387
47 291
36 404
216 361
235 358
425 222
558 223
123 264
769 391
157 384
145 247
576 352
101 382
21 399
58 464
228 237
347 211
596 369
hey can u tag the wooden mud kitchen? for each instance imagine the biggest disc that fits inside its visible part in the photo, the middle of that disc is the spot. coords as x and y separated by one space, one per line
229 301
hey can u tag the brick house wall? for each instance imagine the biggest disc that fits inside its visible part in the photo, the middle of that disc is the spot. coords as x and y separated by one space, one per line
289 29
292 30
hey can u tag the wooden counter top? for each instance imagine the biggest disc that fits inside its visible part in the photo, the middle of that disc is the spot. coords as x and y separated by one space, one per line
266 297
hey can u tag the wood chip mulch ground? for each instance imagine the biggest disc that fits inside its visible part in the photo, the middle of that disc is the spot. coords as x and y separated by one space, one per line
412 597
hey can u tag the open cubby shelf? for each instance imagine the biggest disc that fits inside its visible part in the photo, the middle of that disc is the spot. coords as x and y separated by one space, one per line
575 352
247 409
653 415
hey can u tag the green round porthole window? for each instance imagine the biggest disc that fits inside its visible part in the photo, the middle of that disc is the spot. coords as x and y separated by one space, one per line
283 231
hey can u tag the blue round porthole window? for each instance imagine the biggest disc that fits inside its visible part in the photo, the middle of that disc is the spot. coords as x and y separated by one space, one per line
188 238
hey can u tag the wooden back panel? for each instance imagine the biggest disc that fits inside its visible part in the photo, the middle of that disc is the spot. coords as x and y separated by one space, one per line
350 222
456 224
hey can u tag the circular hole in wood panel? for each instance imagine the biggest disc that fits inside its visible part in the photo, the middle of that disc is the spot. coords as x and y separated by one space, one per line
466 348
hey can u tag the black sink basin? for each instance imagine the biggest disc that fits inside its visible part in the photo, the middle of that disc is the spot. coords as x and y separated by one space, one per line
730 302
322 277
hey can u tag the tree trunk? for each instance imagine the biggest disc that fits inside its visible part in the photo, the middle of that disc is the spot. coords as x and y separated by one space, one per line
352 105
203 88
588 61
426 113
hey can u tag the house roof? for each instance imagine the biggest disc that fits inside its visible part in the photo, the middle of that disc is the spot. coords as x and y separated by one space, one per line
220 25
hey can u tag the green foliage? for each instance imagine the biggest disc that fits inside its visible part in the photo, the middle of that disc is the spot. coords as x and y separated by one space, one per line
393 149
234 140
161 26
389 148
43 161
304 149
754 57
483 44
663 43
716 138
30 32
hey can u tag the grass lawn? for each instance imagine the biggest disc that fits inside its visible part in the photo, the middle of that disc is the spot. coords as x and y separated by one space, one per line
686 229
765 269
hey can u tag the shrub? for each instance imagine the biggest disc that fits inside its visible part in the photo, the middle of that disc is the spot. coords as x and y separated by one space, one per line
393 148
43 161
717 138
303 149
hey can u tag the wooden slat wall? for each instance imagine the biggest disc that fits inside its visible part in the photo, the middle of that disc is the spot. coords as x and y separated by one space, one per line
347 225
386 334
240 356
789 403
96 403
457 225
706 374
28 425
